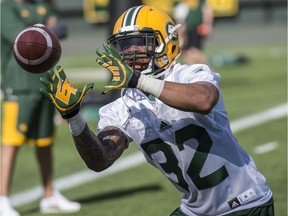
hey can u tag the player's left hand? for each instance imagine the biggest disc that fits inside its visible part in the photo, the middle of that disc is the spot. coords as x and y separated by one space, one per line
123 75
65 98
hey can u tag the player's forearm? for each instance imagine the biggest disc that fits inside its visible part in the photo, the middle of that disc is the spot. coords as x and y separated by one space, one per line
91 150
196 97
98 152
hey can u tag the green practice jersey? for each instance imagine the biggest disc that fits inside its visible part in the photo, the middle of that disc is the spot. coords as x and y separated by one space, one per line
194 17
14 79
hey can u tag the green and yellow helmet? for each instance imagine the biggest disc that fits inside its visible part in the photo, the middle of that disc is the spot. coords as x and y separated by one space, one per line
146 25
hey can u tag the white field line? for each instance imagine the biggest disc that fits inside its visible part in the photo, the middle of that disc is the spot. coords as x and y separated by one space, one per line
259 118
78 178
136 159
267 147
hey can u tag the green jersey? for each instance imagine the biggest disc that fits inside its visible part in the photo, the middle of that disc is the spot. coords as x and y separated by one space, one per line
195 15
14 79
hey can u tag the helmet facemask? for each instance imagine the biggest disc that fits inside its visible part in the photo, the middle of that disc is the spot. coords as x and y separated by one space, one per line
144 59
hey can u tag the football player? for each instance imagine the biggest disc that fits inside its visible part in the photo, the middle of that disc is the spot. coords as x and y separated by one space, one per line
174 114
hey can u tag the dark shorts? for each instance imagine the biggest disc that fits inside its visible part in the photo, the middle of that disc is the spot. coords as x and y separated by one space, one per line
177 212
27 119
266 209
192 39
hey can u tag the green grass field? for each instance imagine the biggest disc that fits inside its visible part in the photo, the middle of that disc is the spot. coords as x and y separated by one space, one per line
248 89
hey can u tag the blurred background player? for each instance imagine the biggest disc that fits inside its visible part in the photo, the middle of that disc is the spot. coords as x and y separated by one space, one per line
27 116
196 17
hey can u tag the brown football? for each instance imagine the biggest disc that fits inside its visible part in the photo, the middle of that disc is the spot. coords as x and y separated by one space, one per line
37 49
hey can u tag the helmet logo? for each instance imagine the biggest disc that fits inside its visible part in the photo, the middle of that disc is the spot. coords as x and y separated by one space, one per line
169 31
164 59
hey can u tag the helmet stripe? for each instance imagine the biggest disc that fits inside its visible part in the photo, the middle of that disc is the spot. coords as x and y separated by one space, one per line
131 15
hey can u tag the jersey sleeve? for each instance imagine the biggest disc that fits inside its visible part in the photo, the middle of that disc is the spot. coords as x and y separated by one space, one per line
114 114
198 73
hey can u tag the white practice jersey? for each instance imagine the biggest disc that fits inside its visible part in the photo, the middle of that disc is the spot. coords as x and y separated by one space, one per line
197 153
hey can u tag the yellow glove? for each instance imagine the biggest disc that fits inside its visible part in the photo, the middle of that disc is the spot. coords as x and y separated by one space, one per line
65 98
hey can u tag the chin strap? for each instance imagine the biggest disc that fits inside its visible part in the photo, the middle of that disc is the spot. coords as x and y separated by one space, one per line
160 74
149 68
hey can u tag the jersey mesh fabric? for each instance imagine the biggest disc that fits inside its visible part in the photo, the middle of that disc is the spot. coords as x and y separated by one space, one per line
206 162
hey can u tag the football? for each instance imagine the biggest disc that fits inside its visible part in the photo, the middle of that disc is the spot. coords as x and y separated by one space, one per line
37 49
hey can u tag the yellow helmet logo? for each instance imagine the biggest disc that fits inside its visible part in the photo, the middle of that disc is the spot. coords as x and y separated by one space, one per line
169 30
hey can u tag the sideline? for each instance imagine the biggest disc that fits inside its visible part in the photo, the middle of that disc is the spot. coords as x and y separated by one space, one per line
136 159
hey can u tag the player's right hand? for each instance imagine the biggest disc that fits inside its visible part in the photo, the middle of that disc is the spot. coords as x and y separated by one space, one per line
65 98
123 75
